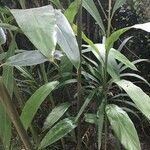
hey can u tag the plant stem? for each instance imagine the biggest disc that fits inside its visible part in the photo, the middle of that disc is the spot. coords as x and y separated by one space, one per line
79 86
105 88
13 114
21 105
109 18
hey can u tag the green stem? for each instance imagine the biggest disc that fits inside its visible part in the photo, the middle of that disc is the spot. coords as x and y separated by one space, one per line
13 114
109 18
43 71
106 131
79 86
105 86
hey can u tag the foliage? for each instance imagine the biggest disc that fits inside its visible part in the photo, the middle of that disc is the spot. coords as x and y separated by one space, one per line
53 35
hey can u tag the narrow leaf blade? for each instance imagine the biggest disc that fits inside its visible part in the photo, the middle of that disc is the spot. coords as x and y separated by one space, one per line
120 57
141 99
123 127
27 58
90 6
57 132
35 101
66 39
55 115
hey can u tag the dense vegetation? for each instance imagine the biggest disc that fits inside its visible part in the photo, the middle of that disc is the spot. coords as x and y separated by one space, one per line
61 90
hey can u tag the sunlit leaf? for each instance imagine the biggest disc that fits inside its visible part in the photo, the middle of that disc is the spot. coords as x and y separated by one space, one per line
144 26
114 37
66 39
39 25
113 68
120 57
123 127
27 58
2 36
139 97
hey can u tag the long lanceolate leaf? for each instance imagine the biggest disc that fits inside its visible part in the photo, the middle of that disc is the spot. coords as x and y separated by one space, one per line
5 128
120 57
90 6
123 127
72 10
66 39
57 132
39 25
55 115
117 5
113 68
115 35
85 104
35 101
141 99
27 58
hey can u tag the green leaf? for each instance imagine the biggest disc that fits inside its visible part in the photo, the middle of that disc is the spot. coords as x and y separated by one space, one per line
72 10
3 56
2 36
135 62
90 118
34 102
8 81
141 99
123 127
113 68
66 39
57 132
39 25
55 115
5 128
114 37
135 76
22 3
27 58
120 57
8 78
118 4
85 104
56 3
90 6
